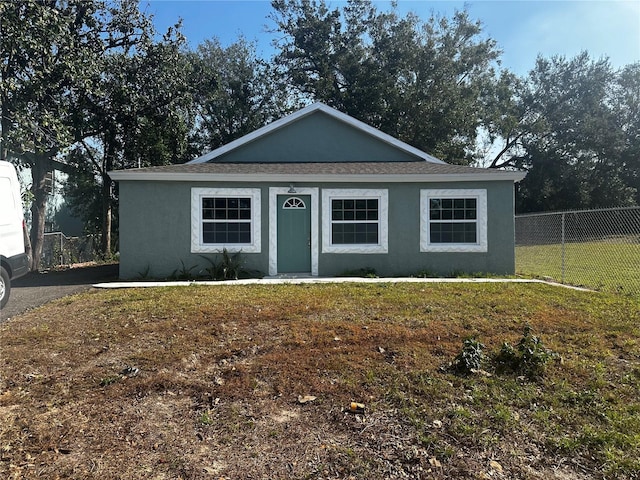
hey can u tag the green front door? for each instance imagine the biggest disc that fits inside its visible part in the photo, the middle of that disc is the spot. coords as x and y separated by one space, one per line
294 233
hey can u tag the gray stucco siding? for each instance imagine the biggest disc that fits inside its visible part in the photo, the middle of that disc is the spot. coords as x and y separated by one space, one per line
155 231
316 138
404 256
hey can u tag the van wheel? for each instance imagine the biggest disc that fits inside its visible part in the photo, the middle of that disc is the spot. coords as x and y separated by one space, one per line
5 287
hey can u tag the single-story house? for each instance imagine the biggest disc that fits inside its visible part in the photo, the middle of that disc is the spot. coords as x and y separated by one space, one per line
319 193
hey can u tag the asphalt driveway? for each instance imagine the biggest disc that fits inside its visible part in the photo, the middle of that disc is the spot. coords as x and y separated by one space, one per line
36 289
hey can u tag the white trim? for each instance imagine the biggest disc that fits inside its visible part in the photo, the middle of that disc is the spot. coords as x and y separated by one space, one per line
273 226
316 107
383 219
129 175
481 221
197 246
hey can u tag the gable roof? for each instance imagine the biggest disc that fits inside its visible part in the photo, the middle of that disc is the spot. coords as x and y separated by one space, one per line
309 110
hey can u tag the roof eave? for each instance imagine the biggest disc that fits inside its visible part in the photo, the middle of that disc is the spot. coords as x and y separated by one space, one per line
129 175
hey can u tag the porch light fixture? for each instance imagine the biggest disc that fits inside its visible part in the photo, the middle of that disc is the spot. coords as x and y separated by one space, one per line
291 189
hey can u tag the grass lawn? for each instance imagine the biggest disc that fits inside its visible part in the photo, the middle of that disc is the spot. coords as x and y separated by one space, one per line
214 374
607 266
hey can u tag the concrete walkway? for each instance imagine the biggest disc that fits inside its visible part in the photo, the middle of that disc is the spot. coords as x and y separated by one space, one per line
293 280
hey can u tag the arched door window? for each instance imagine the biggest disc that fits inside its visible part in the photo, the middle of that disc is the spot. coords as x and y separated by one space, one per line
292 203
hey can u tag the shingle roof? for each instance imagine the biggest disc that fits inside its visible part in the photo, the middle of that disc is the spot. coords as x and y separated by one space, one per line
308 168
336 171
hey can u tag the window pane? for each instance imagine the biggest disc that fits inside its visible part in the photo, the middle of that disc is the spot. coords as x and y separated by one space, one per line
354 233
358 219
460 232
226 232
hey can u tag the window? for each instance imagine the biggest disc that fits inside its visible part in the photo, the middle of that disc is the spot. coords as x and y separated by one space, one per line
293 203
225 218
354 221
453 220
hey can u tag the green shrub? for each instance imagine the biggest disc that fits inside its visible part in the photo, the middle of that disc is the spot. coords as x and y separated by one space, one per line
470 358
529 357
228 267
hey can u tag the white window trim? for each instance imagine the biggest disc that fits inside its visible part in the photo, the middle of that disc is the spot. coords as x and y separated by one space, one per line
383 214
198 246
481 221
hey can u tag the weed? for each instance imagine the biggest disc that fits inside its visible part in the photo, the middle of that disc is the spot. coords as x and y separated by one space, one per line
106 381
470 358
183 273
144 274
229 267
529 357
205 418
365 272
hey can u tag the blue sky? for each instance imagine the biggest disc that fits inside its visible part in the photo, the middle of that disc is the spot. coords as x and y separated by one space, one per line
523 29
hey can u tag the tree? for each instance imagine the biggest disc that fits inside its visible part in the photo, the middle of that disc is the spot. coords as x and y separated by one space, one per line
420 82
137 110
569 124
50 52
235 93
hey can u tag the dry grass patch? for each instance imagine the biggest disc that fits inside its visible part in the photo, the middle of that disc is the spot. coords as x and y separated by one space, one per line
202 382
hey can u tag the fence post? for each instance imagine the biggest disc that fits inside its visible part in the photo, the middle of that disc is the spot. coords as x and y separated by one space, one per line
563 248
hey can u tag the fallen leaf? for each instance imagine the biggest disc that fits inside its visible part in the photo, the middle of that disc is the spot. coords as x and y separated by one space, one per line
496 466
306 399
435 462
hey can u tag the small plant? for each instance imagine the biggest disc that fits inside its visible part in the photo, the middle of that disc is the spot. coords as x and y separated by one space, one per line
205 418
365 272
183 273
470 358
106 381
144 274
528 357
228 268
425 274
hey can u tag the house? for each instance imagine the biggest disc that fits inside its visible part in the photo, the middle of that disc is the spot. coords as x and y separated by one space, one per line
320 193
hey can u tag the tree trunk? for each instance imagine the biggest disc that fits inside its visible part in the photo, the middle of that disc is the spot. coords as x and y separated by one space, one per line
106 215
39 169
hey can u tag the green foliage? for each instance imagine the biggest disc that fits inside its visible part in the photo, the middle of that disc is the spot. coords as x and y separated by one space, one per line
470 358
529 357
365 272
569 124
225 266
417 81
235 92
183 273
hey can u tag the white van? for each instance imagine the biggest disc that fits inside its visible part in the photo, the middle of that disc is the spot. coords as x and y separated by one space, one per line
14 262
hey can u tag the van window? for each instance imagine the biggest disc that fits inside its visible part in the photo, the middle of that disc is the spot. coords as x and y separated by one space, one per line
7 202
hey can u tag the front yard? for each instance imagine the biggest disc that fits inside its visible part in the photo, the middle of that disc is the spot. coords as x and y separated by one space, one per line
204 382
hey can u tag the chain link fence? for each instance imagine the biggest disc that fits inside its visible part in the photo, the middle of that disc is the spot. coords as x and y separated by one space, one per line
597 249
58 249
